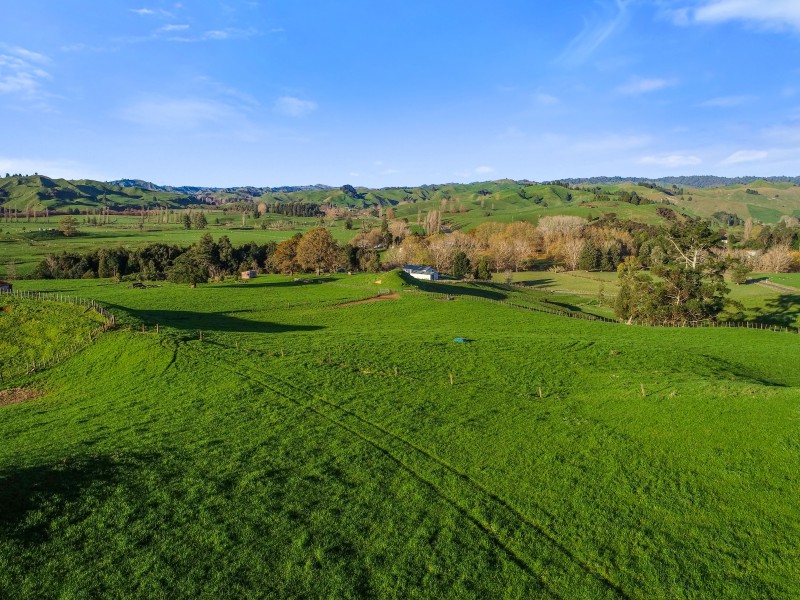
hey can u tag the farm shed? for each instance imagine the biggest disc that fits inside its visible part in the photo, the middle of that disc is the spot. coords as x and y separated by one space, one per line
420 272
5 286
251 274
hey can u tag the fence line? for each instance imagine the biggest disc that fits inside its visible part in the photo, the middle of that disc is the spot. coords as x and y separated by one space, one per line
589 317
540 309
64 353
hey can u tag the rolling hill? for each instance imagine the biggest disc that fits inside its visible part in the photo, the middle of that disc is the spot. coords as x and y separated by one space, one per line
764 200
38 192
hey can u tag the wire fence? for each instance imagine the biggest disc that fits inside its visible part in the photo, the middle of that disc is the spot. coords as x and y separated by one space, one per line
590 317
539 309
64 353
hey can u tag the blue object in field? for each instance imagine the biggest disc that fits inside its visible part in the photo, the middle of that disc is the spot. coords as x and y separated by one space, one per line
461 340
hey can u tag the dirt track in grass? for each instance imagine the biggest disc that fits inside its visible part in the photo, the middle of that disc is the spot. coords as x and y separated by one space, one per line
375 299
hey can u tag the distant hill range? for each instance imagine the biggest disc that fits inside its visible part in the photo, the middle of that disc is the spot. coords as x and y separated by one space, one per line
188 189
695 181
728 200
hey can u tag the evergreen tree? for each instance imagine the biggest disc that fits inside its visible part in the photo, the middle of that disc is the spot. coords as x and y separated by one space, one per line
461 265
483 271
739 273
611 258
189 268
199 220
226 256
590 257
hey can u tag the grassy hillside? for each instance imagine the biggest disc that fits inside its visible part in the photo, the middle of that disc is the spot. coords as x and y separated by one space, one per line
37 192
309 448
36 331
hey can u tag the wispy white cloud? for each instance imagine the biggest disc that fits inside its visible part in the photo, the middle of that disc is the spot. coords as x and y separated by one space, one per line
157 12
671 160
727 101
546 99
172 27
230 33
483 170
744 156
178 113
597 29
21 73
81 47
511 133
611 143
637 86
29 55
769 14
223 90
294 107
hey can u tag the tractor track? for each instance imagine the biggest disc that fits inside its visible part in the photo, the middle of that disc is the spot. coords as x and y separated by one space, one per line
503 523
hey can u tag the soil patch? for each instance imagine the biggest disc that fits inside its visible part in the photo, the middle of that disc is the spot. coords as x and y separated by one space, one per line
375 299
17 395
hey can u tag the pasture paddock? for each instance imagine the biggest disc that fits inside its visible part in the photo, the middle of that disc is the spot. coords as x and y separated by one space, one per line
303 449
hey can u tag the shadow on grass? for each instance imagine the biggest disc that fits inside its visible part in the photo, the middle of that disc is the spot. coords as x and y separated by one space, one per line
207 321
490 291
30 497
301 281
539 283
564 305
783 311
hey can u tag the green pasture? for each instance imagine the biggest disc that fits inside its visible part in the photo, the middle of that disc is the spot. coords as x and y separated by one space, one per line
784 279
306 447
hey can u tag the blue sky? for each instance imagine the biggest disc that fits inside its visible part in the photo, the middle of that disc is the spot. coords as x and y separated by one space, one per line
381 93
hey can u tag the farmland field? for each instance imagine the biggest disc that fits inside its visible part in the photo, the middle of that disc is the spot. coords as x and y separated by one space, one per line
306 446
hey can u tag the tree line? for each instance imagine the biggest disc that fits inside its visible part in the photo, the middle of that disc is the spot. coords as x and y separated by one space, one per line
210 260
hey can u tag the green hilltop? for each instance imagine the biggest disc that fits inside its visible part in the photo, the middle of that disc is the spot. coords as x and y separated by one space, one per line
38 192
